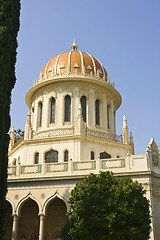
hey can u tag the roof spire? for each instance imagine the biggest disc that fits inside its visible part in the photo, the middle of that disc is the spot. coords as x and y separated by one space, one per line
74 47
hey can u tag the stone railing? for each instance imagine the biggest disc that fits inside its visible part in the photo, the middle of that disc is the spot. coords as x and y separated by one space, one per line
78 168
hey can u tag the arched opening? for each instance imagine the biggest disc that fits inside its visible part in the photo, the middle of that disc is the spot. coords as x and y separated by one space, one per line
14 162
29 221
92 155
108 116
51 156
8 222
52 110
55 218
40 107
67 112
104 155
83 105
97 116
66 155
36 158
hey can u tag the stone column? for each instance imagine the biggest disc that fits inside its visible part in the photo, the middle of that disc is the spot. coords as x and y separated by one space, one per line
41 227
15 227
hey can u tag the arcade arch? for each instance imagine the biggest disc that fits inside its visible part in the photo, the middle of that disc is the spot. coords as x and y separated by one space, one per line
56 213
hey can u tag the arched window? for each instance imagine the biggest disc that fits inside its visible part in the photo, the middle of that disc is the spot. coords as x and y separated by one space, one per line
14 162
51 156
104 155
52 110
40 107
97 117
67 113
83 105
108 116
92 155
66 155
36 158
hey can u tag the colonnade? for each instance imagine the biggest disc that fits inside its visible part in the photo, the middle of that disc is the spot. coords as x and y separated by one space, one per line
41 227
30 224
107 118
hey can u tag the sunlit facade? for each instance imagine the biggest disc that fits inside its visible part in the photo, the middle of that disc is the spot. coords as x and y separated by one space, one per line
70 132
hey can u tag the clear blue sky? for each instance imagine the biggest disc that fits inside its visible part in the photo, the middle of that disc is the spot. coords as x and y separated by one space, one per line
123 34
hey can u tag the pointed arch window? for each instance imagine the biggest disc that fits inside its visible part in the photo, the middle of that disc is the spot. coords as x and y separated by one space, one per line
66 155
104 155
52 110
67 113
108 116
92 155
36 158
40 108
97 116
51 156
14 162
83 105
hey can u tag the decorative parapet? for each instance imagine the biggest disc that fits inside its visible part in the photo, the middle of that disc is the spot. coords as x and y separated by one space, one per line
74 74
31 169
54 133
133 163
56 167
114 163
100 134
12 171
85 165
70 132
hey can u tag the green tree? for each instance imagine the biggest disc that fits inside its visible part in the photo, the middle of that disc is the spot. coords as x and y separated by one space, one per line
106 207
18 134
9 26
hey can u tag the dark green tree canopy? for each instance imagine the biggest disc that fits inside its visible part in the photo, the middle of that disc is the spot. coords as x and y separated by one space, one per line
9 26
106 207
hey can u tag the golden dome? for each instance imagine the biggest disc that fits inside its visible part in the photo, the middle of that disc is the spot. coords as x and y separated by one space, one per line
73 62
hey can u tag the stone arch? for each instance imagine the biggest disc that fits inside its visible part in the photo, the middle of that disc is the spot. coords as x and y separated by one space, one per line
83 101
66 151
29 219
52 110
55 211
13 206
23 200
67 108
92 155
49 150
104 155
14 162
36 157
46 203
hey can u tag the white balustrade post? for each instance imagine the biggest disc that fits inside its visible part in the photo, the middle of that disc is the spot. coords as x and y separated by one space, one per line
43 167
98 164
70 167
41 227
15 227
18 169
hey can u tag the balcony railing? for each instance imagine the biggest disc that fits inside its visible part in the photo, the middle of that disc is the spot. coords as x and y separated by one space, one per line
67 168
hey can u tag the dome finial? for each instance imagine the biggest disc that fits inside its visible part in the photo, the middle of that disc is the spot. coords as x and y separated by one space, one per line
74 47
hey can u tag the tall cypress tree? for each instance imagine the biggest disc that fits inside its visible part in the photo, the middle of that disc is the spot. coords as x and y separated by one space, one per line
9 26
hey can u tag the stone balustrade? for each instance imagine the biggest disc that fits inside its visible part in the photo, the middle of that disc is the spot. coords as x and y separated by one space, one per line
79 168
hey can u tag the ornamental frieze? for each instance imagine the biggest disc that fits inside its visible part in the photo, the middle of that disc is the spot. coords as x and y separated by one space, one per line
54 133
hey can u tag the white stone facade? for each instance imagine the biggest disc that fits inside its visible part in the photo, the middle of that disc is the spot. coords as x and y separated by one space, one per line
78 146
